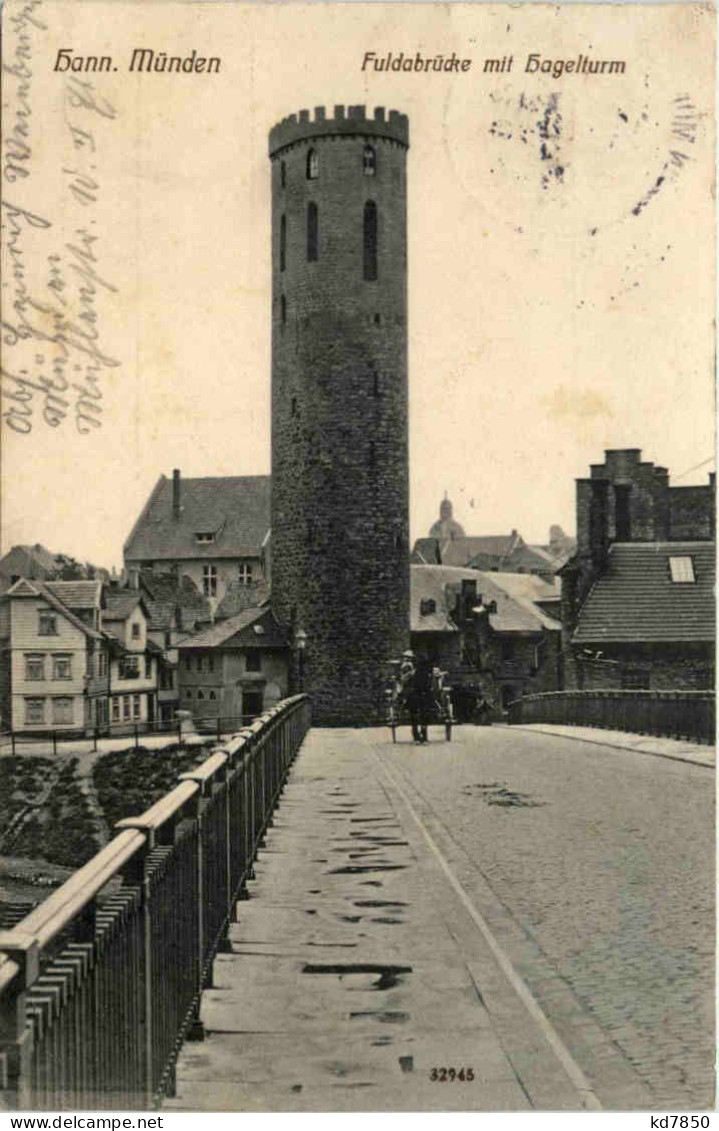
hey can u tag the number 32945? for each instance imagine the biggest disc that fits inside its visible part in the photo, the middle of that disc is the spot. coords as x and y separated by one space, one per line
449 1075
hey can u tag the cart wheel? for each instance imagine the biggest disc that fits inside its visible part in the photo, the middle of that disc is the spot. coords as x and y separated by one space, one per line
448 731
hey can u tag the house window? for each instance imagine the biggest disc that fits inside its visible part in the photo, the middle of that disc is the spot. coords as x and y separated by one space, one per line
369 242
90 665
312 232
209 580
62 713
126 706
313 165
34 666
115 709
168 641
369 161
101 664
34 711
148 666
135 632
210 663
507 649
188 662
129 667
204 537
283 242
62 667
136 709
199 663
200 693
212 694
244 573
47 625
682 569
427 606
253 661
188 693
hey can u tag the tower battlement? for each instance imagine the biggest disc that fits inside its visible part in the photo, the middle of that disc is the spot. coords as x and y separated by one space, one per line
346 121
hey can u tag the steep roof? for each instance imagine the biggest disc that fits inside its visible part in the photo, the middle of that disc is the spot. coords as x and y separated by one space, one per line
460 551
118 604
170 600
34 588
252 628
636 601
235 509
77 594
239 597
514 595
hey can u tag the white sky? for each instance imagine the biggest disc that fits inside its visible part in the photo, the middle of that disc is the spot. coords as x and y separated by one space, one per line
547 320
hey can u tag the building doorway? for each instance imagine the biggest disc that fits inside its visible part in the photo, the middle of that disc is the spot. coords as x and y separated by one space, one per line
252 705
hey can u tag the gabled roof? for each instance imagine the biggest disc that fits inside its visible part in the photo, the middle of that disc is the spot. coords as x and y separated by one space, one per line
461 551
170 600
119 604
426 552
77 594
636 601
26 588
514 595
517 595
240 597
235 509
253 628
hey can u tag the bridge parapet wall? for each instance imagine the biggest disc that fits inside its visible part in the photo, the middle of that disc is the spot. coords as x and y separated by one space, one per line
101 982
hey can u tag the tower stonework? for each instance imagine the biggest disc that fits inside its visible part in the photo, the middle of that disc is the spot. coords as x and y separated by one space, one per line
340 477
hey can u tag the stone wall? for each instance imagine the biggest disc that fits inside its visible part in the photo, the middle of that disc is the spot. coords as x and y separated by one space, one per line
340 491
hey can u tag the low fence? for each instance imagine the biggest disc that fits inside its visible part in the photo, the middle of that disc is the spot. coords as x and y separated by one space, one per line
670 714
64 739
100 984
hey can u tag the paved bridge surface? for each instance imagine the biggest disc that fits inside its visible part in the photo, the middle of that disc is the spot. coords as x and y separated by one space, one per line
509 921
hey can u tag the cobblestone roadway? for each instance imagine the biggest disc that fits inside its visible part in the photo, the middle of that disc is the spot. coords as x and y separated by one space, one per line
606 859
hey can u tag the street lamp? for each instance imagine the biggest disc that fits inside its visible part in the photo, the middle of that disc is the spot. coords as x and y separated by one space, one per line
300 645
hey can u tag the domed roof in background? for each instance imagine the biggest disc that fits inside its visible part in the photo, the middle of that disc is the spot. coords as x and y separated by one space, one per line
446 528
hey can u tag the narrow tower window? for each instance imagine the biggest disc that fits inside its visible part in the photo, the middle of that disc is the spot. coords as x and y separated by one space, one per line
283 242
369 161
283 174
313 165
283 309
370 240
312 231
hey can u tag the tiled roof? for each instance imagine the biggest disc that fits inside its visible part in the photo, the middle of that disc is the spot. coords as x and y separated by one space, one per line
165 594
426 552
514 594
77 594
517 596
120 603
460 551
235 509
34 588
241 631
635 600
240 597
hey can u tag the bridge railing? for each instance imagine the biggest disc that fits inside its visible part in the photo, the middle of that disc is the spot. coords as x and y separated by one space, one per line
101 983
686 715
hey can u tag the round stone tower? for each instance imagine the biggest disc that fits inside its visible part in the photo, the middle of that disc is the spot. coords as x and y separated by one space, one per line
340 478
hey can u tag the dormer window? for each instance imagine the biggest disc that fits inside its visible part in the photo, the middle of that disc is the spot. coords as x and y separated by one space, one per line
427 606
682 570
204 537
369 161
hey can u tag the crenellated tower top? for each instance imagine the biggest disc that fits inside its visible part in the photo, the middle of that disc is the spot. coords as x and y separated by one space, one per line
347 121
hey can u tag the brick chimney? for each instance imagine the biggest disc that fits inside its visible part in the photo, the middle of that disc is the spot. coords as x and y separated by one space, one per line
176 504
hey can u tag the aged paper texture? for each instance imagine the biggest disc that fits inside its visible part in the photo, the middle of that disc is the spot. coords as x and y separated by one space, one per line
550 299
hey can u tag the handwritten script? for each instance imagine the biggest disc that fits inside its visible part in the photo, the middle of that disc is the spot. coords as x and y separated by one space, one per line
55 289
